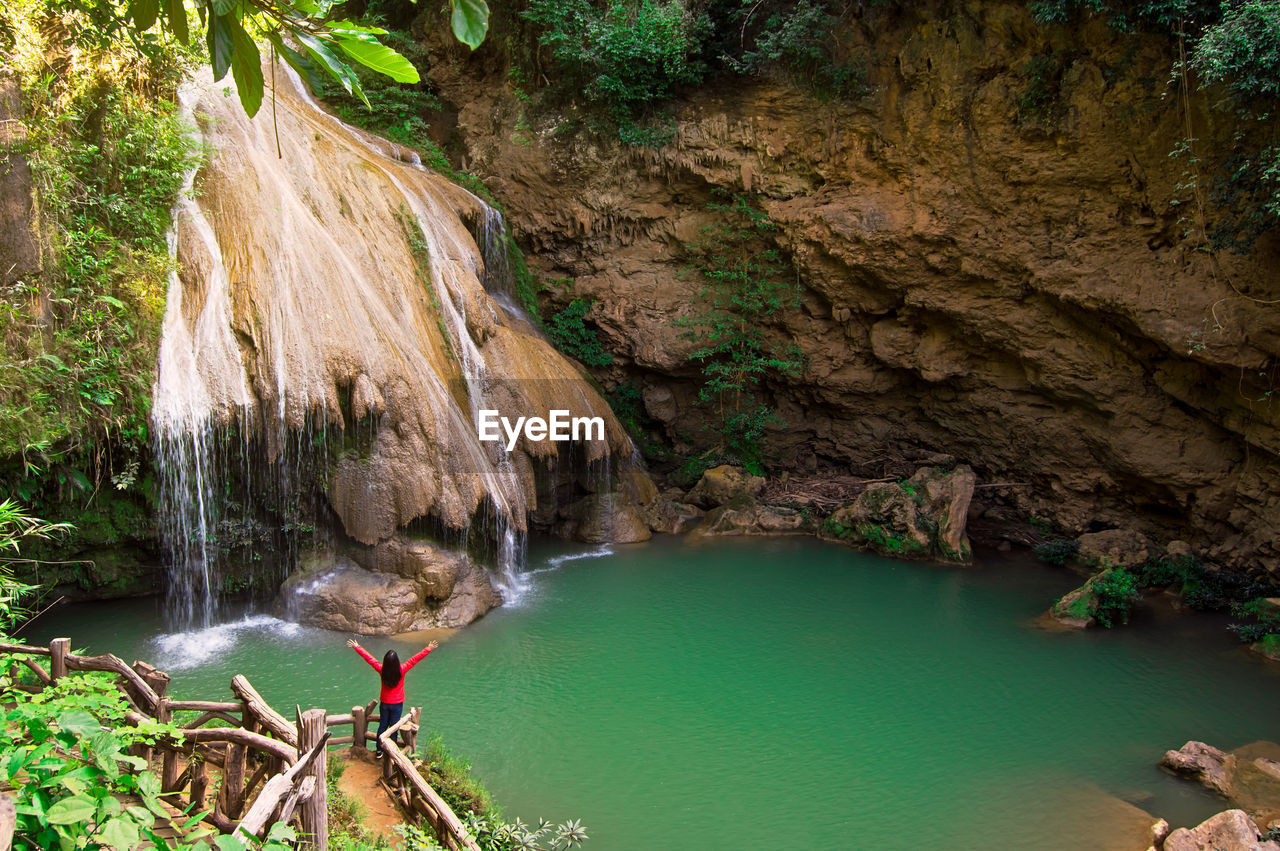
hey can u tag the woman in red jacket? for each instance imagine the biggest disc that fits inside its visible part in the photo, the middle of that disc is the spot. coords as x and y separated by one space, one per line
391 699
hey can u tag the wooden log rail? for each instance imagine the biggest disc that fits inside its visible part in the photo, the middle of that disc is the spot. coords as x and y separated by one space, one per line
414 794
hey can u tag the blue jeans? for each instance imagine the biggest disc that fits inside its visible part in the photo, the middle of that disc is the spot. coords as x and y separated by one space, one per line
388 715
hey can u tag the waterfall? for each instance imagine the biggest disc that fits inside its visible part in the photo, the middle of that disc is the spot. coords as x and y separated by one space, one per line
336 324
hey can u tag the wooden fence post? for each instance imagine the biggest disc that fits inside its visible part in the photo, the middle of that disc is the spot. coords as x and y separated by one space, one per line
314 814
233 781
199 783
411 732
359 728
58 649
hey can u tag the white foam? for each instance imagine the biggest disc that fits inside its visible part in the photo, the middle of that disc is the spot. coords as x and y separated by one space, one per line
177 651
556 561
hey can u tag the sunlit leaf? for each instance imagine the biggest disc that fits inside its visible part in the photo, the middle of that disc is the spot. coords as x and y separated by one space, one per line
120 832
223 7
78 721
352 27
380 58
71 810
470 21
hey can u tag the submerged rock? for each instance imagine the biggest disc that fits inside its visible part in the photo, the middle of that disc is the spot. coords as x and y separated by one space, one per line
1248 777
416 586
1232 830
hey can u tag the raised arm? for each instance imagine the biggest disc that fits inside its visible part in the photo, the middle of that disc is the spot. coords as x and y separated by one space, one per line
355 645
418 657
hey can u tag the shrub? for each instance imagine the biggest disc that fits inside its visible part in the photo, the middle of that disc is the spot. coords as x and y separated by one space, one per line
624 57
571 335
797 40
747 283
1115 591
1057 552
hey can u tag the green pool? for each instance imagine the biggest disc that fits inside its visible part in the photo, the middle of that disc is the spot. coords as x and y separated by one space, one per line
776 693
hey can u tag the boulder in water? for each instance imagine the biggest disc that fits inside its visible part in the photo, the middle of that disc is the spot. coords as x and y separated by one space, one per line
666 515
922 516
1232 830
1205 763
418 586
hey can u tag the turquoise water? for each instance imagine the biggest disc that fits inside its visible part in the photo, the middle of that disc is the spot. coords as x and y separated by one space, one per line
777 693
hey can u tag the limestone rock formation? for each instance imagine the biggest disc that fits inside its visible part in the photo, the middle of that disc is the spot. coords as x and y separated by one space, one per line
413 586
667 515
1204 763
922 516
1115 547
1019 294
1232 830
604 518
721 485
1248 777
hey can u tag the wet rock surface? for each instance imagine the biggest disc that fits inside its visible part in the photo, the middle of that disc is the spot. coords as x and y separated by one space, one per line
393 588
1232 830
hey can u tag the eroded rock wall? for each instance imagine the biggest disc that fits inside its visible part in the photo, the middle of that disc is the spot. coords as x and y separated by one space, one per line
1029 295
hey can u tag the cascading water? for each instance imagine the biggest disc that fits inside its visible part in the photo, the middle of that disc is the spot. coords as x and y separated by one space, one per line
337 287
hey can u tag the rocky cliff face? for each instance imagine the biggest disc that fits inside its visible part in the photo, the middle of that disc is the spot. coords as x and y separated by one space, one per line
1029 295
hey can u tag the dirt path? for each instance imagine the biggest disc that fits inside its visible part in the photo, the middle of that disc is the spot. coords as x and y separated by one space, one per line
360 782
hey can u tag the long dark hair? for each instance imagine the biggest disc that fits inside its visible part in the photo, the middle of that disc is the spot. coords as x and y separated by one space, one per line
391 669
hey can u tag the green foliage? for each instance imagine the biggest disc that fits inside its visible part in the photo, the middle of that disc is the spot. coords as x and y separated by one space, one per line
1256 620
17 525
571 335
888 541
1057 552
303 33
108 164
747 284
497 835
623 57
1115 590
393 109
64 753
451 776
1233 49
797 40
1040 102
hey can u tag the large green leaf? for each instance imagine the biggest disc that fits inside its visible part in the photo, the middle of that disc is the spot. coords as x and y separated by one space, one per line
79 722
380 58
470 21
353 27
223 7
306 69
73 810
325 58
246 68
120 832
176 13
143 13
221 47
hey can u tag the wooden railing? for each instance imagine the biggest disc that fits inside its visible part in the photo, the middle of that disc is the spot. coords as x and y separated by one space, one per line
260 753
